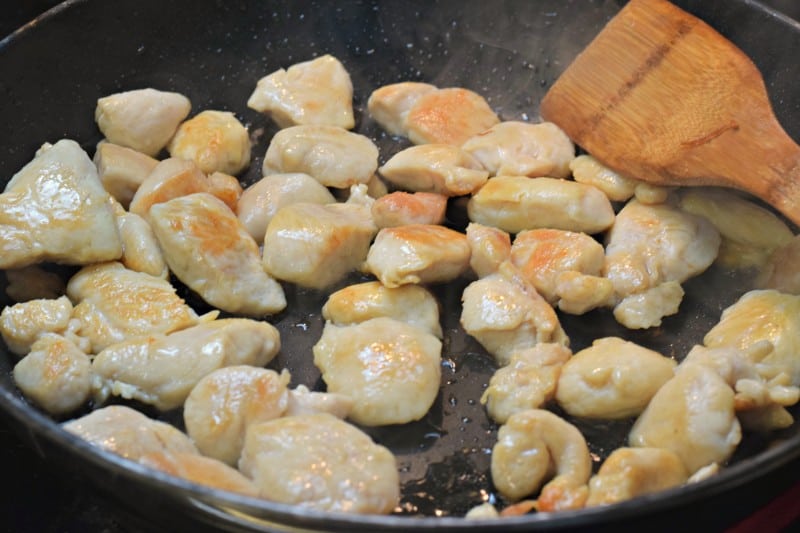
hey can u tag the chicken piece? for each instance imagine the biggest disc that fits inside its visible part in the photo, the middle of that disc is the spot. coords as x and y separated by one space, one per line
645 309
528 381
779 271
129 433
318 91
33 283
202 470
437 168
580 293
114 304
55 209
692 415
389 368
506 315
163 369
412 304
142 119
209 250
516 148
122 170
316 245
516 203
303 401
589 171
612 379
23 323
140 249
631 472
750 233
56 374
418 253
331 155
224 402
450 116
401 208
389 105
340 469
225 187
482 511
215 140
259 202
489 247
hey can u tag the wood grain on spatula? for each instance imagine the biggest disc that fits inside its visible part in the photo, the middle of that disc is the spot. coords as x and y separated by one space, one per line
660 96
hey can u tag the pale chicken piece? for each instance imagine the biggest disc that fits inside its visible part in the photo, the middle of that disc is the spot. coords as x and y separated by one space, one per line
517 203
376 187
450 116
303 401
163 369
588 170
506 315
140 249
612 379
331 155
692 415
114 304
418 253
55 209
318 91
412 304
209 250
750 233
779 272
515 148
528 381
225 402
129 433
645 309
122 170
142 119
389 368
215 140
56 374
580 293
316 245
400 208
340 468
704 473
389 105
33 282
438 168
631 472
489 247
225 187
260 201
202 470
23 323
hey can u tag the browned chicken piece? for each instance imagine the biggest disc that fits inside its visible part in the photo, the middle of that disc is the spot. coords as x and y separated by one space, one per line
450 116
389 105
215 140
437 168
202 470
55 209
122 170
23 323
401 208
489 247
225 187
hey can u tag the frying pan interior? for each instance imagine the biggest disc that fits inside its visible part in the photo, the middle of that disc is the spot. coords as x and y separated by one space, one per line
510 52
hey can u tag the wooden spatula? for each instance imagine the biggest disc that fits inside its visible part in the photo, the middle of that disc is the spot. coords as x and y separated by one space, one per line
661 96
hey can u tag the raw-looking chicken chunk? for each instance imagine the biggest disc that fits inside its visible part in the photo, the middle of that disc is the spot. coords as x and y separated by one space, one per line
142 119
389 368
400 208
140 249
631 472
489 247
55 209
33 282
780 271
418 253
114 304
450 116
331 155
56 374
215 140
566 268
437 168
389 105
202 470
340 468
318 91
588 170
611 379
506 315
209 250
129 433
23 323
122 170
536 447
516 203
223 403
303 401
412 304
316 245
516 148
528 381
260 201
163 369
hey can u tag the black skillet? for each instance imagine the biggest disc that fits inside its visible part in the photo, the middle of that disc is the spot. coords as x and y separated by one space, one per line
52 72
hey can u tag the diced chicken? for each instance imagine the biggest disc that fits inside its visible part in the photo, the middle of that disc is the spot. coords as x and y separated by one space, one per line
140 249
450 116
215 140
122 170
489 247
23 323
303 401
401 208
438 168
389 105
202 470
